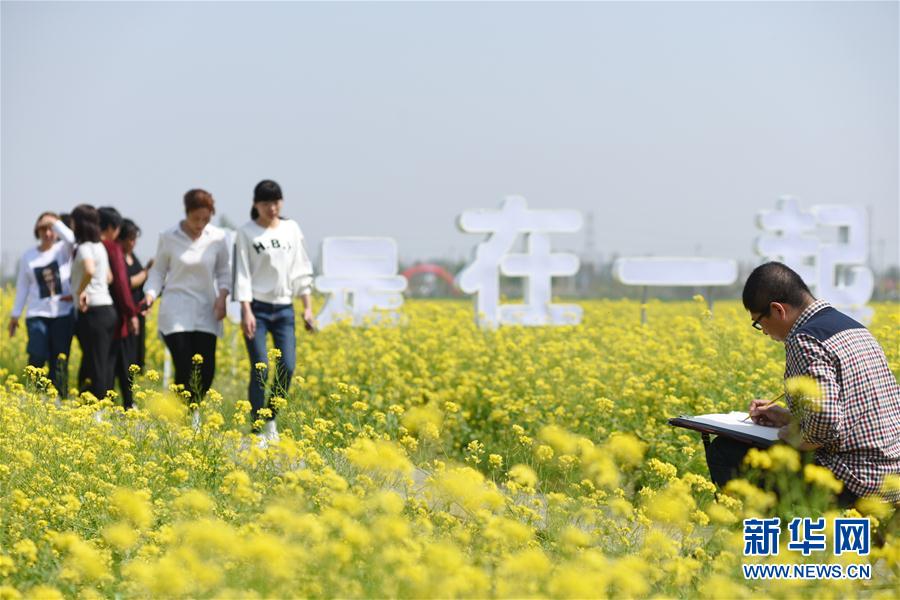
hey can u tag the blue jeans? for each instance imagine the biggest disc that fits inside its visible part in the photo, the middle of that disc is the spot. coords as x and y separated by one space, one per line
277 319
48 337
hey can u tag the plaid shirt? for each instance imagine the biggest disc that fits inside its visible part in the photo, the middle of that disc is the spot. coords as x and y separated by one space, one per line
857 421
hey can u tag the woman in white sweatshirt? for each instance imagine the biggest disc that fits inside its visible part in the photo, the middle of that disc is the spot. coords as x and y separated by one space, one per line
43 285
271 266
191 271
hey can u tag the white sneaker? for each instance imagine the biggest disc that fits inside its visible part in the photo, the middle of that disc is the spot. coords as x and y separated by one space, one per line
262 442
195 420
98 416
270 432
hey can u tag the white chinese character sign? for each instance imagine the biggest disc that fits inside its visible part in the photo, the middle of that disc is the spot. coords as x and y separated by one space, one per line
361 276
538 265
791 238
232 307
834 271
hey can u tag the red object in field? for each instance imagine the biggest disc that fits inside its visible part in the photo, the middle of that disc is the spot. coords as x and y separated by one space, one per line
432 269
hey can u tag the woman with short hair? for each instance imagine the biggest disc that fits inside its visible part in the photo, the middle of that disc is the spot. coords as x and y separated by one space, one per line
96 320
191 271
43 285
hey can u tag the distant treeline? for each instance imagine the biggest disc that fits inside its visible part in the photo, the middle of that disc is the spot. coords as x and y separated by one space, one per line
595 280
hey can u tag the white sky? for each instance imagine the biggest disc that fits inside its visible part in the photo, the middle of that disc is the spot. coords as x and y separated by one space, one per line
673 122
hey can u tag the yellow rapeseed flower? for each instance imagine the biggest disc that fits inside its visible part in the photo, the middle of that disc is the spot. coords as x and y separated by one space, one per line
133 506
523 475
822 477
379 456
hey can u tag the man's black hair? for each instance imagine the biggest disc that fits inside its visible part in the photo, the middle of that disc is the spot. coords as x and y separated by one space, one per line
109 217
774 282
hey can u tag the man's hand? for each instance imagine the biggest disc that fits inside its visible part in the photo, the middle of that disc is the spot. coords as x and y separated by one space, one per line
762 412
134 325
13 325
83 302
791 434
309 321
248 321
786 435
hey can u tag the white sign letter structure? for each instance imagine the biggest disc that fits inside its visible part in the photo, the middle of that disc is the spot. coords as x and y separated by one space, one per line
366 269
232 308
792 240
834 272
538 265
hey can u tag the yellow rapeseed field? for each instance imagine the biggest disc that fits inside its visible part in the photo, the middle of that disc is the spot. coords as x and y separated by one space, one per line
430 459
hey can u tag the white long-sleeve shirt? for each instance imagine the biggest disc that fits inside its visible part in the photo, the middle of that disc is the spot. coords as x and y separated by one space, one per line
44 278
271 263
192 273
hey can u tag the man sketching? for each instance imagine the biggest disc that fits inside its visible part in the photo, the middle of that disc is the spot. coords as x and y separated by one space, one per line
854 426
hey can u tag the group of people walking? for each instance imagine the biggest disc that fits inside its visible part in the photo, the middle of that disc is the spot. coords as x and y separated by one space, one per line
84 279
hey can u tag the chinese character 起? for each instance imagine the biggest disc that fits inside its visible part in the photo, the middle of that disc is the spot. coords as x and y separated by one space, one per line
835 271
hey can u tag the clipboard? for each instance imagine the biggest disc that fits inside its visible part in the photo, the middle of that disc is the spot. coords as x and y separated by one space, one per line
731 425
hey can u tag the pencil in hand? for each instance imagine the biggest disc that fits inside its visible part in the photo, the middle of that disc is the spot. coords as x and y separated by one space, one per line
765 406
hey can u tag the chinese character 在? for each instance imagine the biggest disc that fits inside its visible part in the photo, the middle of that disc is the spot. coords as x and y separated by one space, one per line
538 265
807 535
835 272
361 276
851 535
761 536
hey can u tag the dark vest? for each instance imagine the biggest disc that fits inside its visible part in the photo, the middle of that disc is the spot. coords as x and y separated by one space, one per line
828 322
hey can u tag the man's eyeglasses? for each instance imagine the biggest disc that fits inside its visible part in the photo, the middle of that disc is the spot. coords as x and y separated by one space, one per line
756 323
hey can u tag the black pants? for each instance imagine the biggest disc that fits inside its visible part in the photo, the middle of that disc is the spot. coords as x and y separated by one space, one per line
725 456
140 343
123 355
95 329
183 346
